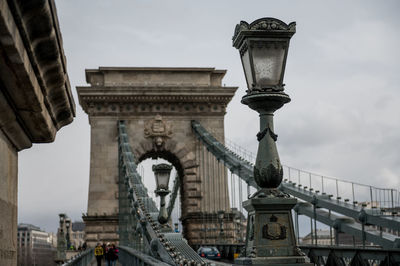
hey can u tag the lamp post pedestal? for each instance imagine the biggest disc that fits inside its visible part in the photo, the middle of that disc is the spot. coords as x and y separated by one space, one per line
270 238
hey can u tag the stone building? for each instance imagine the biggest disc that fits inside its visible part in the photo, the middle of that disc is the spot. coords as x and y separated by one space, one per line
34 246
35 98
324 239
77 234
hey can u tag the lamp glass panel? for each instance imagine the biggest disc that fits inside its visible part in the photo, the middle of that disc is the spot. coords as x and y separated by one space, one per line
162 179
268 63
247 69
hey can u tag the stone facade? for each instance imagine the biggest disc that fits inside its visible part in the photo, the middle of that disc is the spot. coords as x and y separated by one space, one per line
8 201
158 105
35 98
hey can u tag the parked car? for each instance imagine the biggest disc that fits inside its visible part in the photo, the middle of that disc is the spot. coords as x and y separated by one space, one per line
209 253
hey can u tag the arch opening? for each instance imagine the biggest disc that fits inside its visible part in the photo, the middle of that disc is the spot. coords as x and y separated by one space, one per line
145 163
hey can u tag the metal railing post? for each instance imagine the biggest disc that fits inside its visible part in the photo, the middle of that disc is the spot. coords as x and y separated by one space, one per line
370 192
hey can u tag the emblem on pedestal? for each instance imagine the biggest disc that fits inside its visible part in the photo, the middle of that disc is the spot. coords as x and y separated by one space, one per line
274 230
158 130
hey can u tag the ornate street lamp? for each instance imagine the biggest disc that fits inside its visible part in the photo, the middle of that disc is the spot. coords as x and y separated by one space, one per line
162 174
67 225
221 215
263 46
61 242
237 220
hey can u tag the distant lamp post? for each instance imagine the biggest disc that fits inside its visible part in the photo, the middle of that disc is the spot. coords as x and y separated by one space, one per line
67 225
162 173
238 227
221 215
61 241
176 228
263 46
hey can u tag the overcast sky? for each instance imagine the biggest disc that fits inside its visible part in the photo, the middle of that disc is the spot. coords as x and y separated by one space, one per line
342 75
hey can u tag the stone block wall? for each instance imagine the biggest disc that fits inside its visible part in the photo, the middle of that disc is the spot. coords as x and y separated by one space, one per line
35 98
8 201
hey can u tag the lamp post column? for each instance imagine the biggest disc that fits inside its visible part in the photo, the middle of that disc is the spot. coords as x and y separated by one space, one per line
263 47
68 237
221 215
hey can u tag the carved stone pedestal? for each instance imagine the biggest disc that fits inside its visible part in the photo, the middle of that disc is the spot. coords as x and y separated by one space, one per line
270 235
101 229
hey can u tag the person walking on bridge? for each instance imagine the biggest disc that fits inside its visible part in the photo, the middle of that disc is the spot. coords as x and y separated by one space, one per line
98 253
111 255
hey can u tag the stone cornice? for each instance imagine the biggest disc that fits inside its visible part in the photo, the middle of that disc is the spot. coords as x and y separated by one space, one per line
133 91
174 69
106 100
33 76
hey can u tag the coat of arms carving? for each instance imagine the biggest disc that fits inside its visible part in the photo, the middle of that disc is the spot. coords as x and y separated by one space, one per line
158 130
274 230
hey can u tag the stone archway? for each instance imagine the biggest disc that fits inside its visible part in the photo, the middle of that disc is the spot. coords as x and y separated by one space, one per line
157 105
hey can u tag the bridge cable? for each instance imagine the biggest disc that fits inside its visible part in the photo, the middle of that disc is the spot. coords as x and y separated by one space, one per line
205 197
219 187
214 180
209 218
232 192
240 206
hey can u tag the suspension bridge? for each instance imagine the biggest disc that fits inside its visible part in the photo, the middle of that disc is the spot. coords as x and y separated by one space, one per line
183 124
371 217
177 114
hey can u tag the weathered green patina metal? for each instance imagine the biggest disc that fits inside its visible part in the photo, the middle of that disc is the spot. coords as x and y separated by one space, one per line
263 47
162 173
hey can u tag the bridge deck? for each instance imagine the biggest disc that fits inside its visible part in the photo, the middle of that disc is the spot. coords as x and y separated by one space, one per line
103 262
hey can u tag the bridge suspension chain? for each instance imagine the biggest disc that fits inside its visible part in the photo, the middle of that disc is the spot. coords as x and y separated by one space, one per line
160 241
359 215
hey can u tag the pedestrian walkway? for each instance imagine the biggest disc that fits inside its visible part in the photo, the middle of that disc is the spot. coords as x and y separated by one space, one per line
103 263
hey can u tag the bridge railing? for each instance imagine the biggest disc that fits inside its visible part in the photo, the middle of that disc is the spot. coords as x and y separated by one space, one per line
342 255
82 259
130 256
370 197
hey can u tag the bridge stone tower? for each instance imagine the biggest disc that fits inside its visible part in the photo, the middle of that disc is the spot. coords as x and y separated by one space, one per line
158 105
